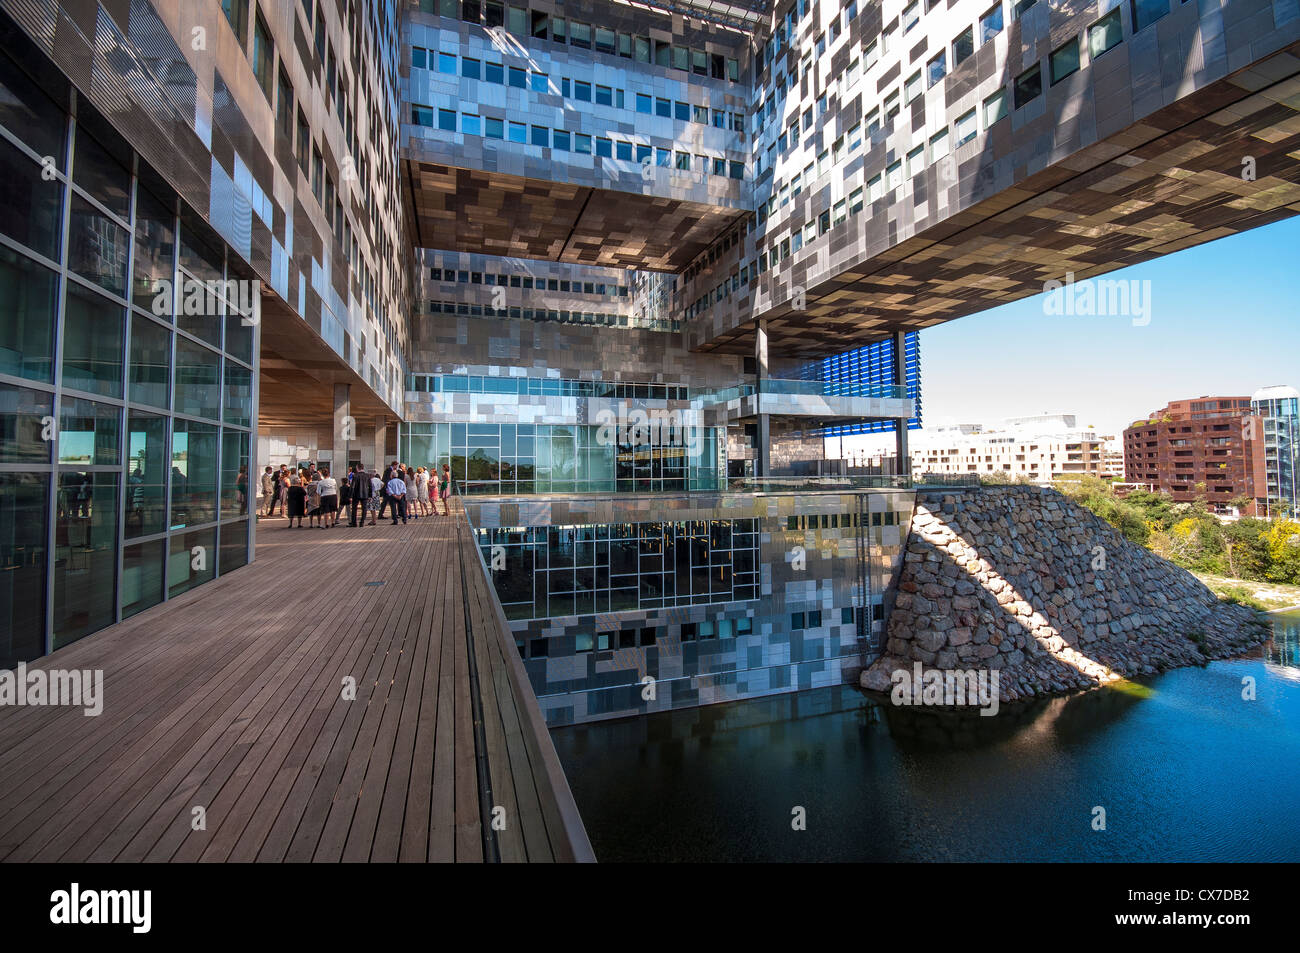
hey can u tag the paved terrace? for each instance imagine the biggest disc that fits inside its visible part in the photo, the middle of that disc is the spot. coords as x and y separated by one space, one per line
229 697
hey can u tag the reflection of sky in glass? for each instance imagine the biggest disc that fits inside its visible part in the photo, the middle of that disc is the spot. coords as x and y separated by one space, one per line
76 446
138 441
181 452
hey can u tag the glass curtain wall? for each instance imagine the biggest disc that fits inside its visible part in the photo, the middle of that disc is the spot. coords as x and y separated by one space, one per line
545 571
507 459
124 427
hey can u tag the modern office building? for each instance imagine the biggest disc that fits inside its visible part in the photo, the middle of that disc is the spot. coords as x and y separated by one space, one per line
1209 448
582 253
1278 409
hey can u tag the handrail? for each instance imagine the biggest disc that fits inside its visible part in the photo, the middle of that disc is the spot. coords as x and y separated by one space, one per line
561 809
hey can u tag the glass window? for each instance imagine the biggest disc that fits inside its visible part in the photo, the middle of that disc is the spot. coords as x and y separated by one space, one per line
103 177
470 124
28 112
146 481
963 46
447 120
937 68
939 145
85 558
967 127
142 576
1029 86
539 82
236 12
234 473
24 426
990 24
29 206
1105 34
518 77
582 91
263 55
623 150
194 473
469 68
97 247
604 147
28 303
192 560
238 408
1147 12
560 142
1065 60
155 254
494 73
446 63
150 362
234 545
911 15
517 132
995 107
93 329
494 128
23 522
643 104
198 390
541 136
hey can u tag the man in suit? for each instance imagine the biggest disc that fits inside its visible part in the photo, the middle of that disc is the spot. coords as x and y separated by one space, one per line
360 495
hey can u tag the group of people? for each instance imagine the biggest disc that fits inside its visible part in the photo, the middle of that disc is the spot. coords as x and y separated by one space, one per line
312 494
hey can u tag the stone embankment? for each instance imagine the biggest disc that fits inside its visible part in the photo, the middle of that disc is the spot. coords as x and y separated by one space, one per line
1024 581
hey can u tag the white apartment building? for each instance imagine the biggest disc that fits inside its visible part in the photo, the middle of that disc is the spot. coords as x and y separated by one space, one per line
1039 448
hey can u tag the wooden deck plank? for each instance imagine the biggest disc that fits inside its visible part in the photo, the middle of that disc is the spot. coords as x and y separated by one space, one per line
229 697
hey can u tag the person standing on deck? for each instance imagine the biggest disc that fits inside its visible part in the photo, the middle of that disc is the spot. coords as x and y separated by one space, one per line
268 492
397 494
446 489
327 488
361 495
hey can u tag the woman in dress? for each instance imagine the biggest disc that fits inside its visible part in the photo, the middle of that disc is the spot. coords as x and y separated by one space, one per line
422 490
376 496
446 488
296 500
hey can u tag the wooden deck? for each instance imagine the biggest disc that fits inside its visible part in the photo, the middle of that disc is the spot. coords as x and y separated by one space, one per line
230 698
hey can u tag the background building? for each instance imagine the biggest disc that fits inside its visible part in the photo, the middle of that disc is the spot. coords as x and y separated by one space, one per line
1209 448
1278 408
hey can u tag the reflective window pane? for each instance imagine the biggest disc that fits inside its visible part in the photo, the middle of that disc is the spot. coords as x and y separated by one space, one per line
239 395
198 385
142 576
194 474
30 114
97 247
193 560
28 301
29 205
146 481
102 176
85 554
155 254
24 425
23 519
234 473
234 545
150 360
88 432
92 342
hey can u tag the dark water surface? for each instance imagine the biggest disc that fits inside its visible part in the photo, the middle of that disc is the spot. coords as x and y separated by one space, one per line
1185 769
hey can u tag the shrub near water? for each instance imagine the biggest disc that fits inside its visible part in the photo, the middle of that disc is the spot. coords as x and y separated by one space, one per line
1188 534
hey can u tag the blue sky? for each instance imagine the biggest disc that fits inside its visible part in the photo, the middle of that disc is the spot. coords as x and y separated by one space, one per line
1225 319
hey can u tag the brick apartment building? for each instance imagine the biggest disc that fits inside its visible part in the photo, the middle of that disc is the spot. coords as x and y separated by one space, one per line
1205 446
